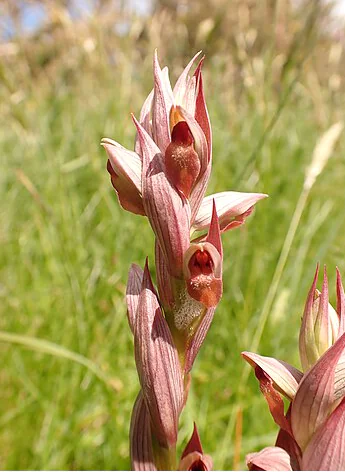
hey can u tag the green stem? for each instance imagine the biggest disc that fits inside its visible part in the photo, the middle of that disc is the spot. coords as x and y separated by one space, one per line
164 458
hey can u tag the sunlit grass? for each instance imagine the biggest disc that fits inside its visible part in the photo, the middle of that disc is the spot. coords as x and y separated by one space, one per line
66 249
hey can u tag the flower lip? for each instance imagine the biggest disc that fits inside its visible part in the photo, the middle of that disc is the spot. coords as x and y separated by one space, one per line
201 263
181 134
202 259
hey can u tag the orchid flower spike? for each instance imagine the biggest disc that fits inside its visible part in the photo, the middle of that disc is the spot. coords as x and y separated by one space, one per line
165 179
311 435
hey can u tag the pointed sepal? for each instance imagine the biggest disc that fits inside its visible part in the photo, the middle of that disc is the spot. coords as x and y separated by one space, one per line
140 439
158 365
193 457
167 210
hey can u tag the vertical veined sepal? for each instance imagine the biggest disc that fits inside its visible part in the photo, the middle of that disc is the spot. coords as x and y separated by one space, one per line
315 396
140 439
167 210
158 365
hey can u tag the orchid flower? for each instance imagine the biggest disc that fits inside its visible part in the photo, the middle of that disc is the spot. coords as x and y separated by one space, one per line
312 432
165 179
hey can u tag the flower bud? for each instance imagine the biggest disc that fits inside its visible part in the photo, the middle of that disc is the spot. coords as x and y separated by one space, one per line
320 325
182 163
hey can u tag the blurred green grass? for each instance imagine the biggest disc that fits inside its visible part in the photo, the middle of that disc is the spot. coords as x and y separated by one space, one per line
67 246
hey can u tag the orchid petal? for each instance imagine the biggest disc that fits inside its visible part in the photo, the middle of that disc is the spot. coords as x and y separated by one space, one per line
326 450
167 210
270 458
140 437
134 284
182 84
229 205
201 113
196 341
161 105
315 395
158 365
284 376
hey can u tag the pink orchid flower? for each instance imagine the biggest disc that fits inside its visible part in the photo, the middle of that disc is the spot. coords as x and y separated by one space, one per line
312 432
165 179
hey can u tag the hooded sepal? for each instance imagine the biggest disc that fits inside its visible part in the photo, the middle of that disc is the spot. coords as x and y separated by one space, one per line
125 168
158 366
167 210
141 452
193 457
270 458
315 395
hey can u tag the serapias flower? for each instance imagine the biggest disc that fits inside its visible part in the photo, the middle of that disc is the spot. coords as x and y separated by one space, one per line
165 179
167 175
312 432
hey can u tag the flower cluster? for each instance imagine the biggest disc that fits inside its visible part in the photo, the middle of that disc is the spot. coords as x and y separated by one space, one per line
312 432
165 179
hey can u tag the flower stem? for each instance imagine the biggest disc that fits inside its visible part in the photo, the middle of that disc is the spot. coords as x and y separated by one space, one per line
165 458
